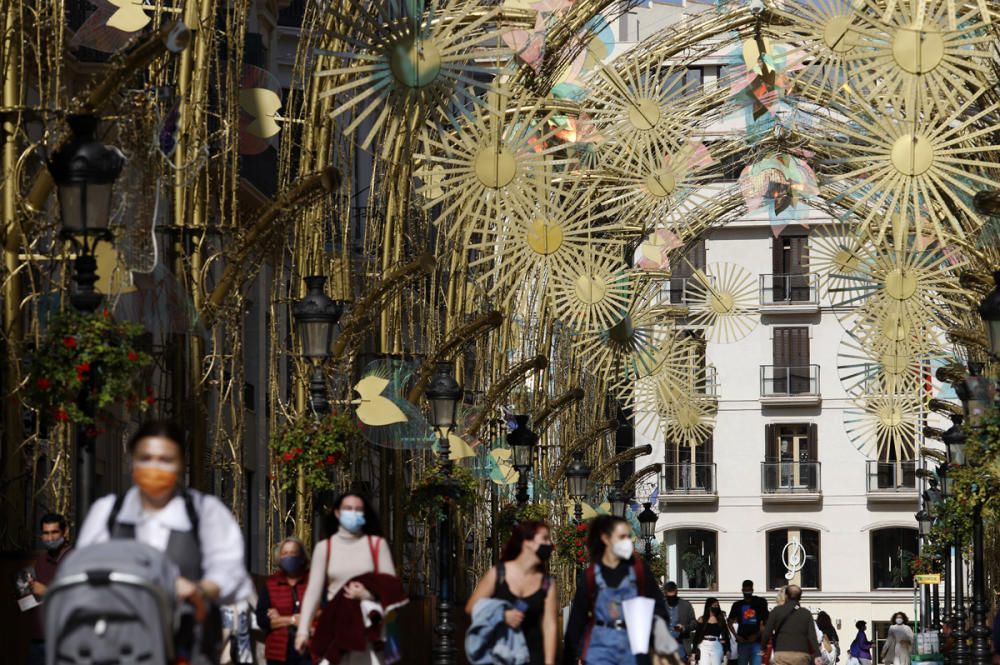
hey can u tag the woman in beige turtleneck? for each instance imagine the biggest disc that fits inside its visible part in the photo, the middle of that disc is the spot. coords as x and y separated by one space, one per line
351 555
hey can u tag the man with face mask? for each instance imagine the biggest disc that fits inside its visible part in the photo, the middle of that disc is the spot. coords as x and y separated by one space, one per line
750 616
683 621
55 543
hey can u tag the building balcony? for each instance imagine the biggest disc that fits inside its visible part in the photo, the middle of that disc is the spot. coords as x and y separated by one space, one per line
892 482
789 294
687 483
789 386
684 290
790 482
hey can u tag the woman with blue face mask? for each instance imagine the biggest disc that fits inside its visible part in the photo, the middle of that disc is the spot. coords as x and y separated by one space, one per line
280 604
355 548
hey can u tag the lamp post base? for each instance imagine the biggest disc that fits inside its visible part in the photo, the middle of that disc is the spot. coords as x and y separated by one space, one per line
445 651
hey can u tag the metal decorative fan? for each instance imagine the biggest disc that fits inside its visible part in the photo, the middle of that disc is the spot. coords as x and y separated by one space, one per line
885 426
723 300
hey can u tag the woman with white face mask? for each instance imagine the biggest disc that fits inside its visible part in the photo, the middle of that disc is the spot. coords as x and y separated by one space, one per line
898 643
355 548
596 632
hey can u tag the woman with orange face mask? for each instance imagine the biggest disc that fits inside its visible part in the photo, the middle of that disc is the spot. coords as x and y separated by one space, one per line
196 531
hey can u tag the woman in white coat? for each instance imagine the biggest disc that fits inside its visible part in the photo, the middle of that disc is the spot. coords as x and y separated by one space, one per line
899 642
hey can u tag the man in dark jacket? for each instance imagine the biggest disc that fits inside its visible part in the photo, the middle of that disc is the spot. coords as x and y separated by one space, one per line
683 621
750 616
793 631
55 539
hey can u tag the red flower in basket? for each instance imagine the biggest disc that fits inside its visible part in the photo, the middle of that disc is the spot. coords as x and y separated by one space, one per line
61 415
288 457
69 342
43 383
133 356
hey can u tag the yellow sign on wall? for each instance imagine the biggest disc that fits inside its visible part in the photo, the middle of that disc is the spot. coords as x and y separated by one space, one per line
929 578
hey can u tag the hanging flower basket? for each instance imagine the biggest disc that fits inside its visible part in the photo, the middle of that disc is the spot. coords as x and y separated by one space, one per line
85 364
318 445
571 544
437 489
512 514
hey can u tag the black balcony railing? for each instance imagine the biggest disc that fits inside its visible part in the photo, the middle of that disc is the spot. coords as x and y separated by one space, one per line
687 479
789 477
891 477
781 381
681 290
801 289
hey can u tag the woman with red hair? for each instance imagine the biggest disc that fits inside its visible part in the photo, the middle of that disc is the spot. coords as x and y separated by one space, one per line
521 578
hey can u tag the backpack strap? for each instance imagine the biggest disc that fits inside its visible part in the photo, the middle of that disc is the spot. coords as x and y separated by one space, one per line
374 543
193 516
590 581
640 575
113 515
546 583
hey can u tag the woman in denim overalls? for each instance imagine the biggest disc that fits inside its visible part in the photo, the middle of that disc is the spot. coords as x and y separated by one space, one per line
596 634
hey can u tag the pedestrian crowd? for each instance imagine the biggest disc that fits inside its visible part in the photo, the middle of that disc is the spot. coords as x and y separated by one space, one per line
336 605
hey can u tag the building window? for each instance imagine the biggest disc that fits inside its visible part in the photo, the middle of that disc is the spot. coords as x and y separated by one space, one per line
689 467
682 267
693 554
893 551
791 457
808 576
790 268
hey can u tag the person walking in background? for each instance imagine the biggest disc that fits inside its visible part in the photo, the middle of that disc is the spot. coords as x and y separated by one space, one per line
750 615
596 633
898 641
280 604
793 631
521 580
712 635
682 620
55 542
355 549
861 647
831 641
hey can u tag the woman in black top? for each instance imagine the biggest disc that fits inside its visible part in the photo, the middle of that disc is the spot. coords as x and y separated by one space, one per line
825 624
521 578
712 635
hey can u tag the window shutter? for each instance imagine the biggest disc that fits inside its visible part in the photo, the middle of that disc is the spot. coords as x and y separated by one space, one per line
797 255
770 443
813 443
781 347
778 256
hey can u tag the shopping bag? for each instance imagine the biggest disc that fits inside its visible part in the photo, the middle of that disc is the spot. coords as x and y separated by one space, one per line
638 613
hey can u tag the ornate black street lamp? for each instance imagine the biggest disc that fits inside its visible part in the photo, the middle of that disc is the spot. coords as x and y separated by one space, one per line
647 528
955 439
578 478
522 442
618 498
316 317
933 496
444 394
85 171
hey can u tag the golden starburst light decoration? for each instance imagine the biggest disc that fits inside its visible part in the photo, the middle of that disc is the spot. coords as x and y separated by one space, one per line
688 419
921 55
885 426
638 103
723 299
491 164
563 231
407 60
592 296
919 169
823 34
842 259
869 363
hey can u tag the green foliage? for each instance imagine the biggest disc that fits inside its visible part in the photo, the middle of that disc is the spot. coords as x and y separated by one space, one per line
316 444
438 487
697 570
512 514
85 364
657 562
976 482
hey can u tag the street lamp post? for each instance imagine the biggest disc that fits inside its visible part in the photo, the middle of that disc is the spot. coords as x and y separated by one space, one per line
618 499
924 523
933 496
578 477
444 393
84 171
316 317
522 442
954 439
647 528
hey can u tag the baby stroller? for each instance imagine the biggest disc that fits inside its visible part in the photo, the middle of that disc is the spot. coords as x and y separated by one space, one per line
112 603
